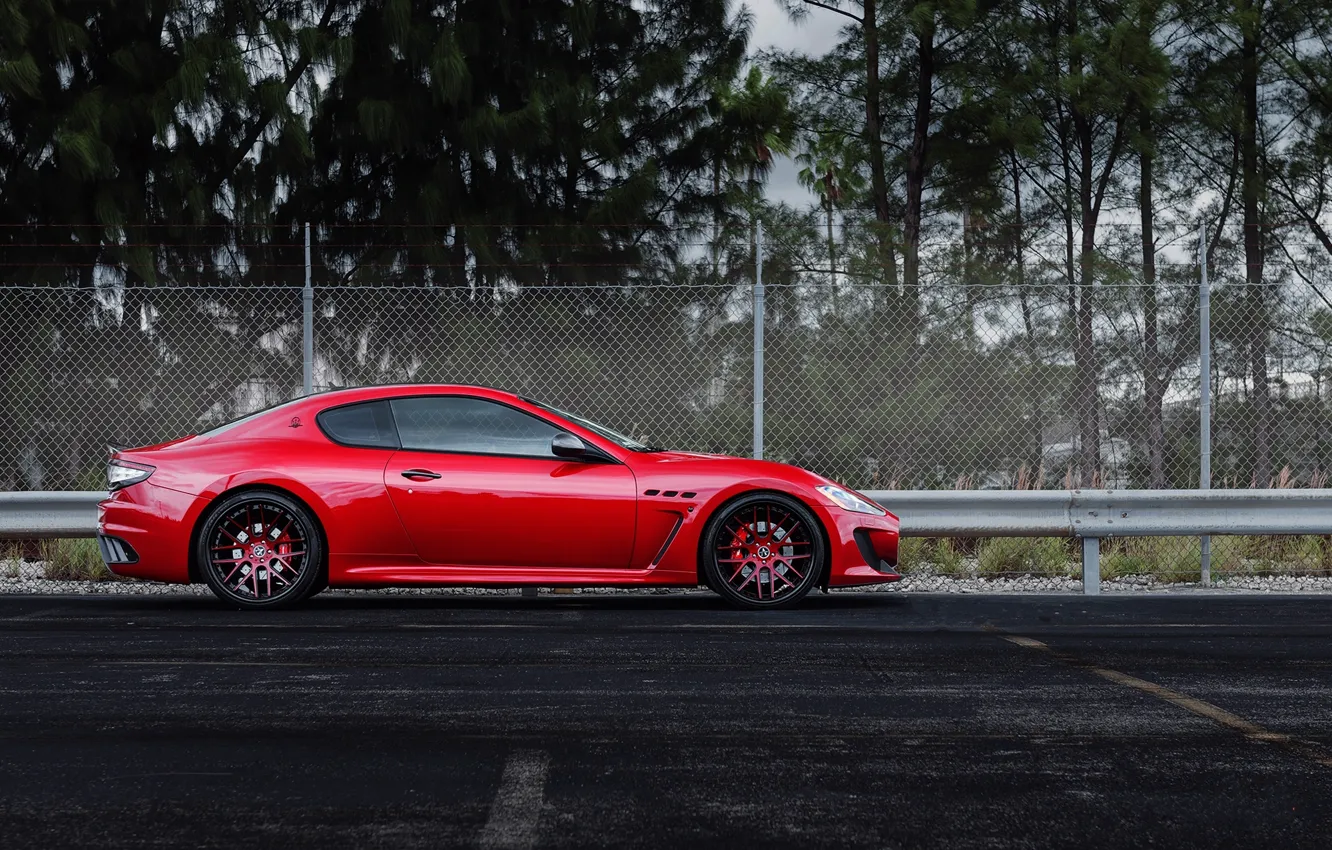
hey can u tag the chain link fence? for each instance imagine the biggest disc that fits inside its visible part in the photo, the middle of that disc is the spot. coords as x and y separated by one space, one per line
975 378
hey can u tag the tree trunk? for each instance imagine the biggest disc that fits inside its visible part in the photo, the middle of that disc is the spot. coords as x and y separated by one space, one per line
1084 349
911 225
1028 324
874 142
716 218
916 169
968 278
1153 380
832 256
1253 248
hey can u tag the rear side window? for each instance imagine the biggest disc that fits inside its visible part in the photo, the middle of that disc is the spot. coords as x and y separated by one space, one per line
368 425
470 426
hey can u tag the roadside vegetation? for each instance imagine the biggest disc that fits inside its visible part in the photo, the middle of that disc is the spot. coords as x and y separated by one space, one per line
1159 559
11 555
73 560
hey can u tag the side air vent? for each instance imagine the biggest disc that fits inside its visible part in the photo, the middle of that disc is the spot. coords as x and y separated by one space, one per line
688 495
670 493
651 492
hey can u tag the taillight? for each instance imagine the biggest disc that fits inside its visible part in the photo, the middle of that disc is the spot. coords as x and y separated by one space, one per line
122 473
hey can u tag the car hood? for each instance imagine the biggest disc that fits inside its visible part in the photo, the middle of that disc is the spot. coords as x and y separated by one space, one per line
741 466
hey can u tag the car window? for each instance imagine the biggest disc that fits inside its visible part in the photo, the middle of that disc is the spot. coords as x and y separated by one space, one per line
470 425
368 425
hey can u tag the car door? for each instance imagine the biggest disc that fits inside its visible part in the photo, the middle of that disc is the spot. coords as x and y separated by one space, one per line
476 484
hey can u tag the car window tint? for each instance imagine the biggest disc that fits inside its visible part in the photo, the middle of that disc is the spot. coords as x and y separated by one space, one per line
471 425
368 424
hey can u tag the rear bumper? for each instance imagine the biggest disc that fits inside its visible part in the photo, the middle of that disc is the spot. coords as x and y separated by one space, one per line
864 548
144 532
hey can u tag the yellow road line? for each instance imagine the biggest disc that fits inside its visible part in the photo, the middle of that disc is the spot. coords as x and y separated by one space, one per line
1202 708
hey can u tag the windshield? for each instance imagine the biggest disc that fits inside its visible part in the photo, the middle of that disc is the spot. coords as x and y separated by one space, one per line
600 430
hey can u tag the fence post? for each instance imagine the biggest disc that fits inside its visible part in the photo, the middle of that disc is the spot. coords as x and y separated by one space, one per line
307 323
1204 391
1091 566
758 339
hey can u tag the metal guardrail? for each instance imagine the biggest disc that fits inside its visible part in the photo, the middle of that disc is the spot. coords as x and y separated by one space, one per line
1107 513
49 514
1091 515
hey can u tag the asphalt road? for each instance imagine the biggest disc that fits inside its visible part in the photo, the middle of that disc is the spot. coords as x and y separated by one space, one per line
869 720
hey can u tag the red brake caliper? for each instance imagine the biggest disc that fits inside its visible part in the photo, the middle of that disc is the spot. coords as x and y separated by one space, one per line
268 548
762 552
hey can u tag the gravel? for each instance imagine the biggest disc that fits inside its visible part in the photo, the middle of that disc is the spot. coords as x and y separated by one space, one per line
29 579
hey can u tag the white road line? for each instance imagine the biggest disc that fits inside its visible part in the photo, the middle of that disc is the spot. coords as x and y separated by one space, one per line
1202 708
36 615
1026 641
194 663
516 810
470 626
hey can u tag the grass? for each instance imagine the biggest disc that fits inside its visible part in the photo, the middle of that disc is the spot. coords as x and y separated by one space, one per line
73 560
949 558
944 557
1266 556
10 559
1162 559
1047 557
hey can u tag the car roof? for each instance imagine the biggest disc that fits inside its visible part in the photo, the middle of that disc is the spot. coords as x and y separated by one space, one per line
321 401
348 395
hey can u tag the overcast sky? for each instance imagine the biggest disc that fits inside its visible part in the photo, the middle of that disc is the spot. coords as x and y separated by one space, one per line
814 35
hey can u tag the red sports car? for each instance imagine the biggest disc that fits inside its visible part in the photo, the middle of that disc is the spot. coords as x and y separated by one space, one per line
452 485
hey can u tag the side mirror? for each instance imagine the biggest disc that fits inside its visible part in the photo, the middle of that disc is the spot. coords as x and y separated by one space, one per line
567 445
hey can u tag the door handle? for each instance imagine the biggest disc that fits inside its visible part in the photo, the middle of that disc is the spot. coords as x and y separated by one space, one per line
420 475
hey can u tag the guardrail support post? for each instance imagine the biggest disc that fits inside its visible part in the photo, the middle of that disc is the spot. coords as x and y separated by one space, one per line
1091 566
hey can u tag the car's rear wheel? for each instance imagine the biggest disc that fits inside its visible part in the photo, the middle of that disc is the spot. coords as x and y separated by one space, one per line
260 549
763 551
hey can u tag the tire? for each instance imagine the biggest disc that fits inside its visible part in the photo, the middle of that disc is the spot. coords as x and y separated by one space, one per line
762 551
260 550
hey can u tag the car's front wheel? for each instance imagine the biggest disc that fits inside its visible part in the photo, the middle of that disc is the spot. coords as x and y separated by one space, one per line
763 551
260 549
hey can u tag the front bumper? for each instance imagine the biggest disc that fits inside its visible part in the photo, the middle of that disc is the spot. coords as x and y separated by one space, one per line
864 548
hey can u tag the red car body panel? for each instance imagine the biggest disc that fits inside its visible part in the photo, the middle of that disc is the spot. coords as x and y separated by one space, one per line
488 520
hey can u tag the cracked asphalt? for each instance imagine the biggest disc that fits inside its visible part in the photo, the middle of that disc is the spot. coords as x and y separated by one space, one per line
857 720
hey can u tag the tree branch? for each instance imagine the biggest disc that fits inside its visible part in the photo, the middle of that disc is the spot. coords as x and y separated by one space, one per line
844 13
265 118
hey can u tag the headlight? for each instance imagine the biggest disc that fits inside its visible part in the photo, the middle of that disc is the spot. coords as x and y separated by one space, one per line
122 473
850 501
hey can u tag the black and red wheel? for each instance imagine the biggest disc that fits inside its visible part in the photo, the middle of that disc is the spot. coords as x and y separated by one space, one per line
763 551
260 549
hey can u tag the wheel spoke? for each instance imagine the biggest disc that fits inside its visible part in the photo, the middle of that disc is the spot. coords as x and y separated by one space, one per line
754 558
792 568
277 550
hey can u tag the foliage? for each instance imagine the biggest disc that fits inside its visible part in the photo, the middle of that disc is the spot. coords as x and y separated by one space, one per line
1034 556
11 559
993 187
73 560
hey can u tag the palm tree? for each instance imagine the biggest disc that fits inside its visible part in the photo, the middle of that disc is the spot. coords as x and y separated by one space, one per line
752 122
823 172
